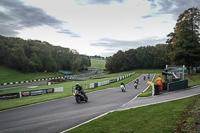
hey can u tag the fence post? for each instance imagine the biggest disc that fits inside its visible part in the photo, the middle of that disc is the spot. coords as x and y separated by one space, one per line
153 90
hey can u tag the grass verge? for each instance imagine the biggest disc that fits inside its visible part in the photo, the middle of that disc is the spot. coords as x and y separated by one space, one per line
190 122
159 118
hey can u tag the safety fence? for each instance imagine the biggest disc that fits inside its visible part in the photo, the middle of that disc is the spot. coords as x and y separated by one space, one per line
177 85
30 93
94 85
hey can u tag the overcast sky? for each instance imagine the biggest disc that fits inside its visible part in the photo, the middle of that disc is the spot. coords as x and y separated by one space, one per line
92 27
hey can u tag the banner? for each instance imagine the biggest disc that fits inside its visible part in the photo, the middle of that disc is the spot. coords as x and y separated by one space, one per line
36 92
59 89
113 80
105 82
99 83
91 85
9 96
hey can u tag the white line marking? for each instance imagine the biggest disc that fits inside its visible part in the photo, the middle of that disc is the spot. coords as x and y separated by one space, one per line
88 121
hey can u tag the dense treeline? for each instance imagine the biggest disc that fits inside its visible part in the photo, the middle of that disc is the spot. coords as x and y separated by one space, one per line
38 56
182 48
140 58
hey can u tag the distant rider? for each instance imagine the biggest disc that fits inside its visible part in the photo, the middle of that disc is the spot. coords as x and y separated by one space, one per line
144 77
123 84
79 88
136 81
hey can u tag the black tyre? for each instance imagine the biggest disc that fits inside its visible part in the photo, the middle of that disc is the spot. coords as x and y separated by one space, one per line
78 99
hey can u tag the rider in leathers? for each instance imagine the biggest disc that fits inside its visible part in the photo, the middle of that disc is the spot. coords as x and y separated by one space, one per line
80 89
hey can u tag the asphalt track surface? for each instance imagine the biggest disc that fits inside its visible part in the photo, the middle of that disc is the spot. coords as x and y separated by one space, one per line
58 115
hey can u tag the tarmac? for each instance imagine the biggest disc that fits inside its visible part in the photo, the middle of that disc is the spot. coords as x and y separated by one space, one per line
163 97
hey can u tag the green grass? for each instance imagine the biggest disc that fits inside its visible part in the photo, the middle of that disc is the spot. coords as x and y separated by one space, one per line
193 79
158 118
98 63
12 103
9 75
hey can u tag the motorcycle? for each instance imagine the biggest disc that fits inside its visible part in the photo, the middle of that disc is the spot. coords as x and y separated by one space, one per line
80 97
123 88
135 85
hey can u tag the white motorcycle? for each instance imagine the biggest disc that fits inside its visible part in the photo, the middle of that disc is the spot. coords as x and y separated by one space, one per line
123 88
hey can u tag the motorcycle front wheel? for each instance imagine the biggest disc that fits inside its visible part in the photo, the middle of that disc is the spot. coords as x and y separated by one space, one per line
78 99
86 98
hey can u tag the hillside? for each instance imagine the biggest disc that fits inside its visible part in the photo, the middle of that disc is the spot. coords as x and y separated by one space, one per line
98 63
11 75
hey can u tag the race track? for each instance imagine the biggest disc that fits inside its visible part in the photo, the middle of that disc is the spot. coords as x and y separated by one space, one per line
61 114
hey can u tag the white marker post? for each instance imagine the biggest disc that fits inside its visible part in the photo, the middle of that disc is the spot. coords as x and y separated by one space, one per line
183 72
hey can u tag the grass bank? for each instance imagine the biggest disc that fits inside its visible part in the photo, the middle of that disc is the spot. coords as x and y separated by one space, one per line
98 63
159 118
9 75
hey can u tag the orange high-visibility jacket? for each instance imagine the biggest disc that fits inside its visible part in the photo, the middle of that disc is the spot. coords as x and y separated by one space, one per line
159 81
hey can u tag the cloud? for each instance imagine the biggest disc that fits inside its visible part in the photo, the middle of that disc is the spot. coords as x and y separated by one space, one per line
69 32
147 16
98 2
138 27
16 16
112 46
174 7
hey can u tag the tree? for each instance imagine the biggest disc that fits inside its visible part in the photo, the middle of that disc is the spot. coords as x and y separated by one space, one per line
116 62
184 42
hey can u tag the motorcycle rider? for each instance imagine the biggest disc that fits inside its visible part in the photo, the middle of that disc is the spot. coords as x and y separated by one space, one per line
123 84
79 88
136 81
144 77
148 76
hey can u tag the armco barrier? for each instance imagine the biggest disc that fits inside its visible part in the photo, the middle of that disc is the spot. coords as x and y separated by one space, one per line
177 85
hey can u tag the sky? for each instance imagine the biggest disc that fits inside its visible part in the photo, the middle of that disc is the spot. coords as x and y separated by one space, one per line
93 27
